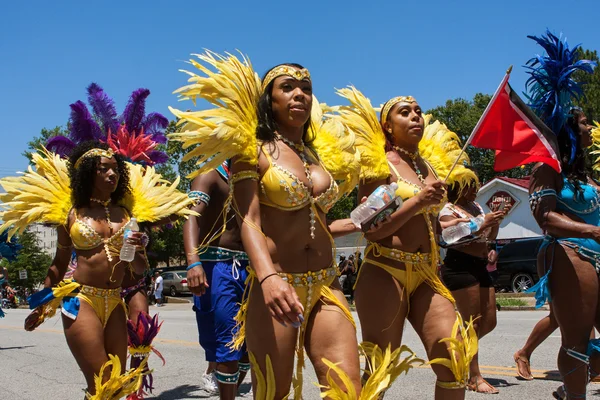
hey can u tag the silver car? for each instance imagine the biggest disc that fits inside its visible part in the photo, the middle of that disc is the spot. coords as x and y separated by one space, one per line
175 282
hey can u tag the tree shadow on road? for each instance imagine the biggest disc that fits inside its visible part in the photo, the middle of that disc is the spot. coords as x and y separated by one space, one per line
15 347
181 392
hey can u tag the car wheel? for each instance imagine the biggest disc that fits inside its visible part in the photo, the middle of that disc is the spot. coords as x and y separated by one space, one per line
173 291
521 282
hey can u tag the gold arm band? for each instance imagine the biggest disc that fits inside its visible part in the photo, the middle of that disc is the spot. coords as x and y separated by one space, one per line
240 176
94 153
63 247
298 74
391 103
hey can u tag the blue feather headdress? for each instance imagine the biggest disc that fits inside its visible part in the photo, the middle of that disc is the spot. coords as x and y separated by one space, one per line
136 131
9 248
551 87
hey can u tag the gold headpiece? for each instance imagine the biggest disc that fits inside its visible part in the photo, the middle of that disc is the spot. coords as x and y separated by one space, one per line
392 102
93 153
299 74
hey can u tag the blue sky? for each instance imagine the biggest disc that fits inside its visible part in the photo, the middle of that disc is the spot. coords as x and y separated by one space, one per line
433 50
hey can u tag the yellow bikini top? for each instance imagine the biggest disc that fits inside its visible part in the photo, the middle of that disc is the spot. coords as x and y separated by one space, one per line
85 237
407 189
281 189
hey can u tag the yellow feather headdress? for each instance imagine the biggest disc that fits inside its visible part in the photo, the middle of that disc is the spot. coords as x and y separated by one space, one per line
228 129
596 145
440 147
361 119
335 146
43 195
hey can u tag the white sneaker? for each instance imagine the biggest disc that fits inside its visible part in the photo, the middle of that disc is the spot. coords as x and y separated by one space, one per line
209 382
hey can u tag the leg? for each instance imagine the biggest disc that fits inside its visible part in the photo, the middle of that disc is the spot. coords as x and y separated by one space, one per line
382 326
330 335
137 302
540 332
85 337
574 288
433 317
115 335
267 337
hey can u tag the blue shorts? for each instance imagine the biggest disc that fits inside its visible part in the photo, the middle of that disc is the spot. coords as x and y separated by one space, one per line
218 306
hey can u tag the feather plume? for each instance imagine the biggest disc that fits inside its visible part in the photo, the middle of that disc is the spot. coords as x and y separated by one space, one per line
42 194
135 147
155 124
440 147
82 126
104 108
60 145
361 119
152 197
140 337
335 146
134 111
9 247
117 385
596 145
228 129
551 87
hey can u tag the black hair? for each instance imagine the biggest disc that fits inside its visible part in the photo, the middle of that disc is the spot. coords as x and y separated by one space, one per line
580 169
389 139
82 177
267 126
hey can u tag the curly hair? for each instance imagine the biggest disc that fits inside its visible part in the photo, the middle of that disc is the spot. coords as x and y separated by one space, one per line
267 126
82 178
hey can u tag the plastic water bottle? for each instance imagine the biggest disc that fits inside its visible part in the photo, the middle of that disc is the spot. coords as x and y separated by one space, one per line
456 232
128 250
376 200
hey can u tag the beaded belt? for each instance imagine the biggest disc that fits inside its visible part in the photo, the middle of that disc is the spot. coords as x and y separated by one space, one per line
399 255
309 279
212 253
94 291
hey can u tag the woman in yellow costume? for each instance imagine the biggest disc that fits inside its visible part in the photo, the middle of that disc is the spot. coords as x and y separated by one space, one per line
284 172
401 258
90 198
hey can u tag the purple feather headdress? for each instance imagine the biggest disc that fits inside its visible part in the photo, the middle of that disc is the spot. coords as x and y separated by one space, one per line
105 124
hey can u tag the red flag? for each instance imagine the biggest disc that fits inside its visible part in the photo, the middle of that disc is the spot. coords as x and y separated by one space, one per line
511 128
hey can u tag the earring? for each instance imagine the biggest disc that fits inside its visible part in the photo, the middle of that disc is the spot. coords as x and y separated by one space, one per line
389 131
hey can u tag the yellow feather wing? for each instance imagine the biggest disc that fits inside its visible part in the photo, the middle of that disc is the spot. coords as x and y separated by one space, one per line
229 128
596 145
152 197
361 119
440 147
334 144
42 194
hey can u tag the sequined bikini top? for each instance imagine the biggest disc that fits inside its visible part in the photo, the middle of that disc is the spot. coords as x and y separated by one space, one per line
85 237
585 204
407 189
282 189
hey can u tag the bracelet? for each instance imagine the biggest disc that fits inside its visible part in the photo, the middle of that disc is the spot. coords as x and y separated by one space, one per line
193 265
267 277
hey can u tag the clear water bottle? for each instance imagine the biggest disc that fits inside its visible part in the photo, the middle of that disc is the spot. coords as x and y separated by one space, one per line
128 250
454 233
376 200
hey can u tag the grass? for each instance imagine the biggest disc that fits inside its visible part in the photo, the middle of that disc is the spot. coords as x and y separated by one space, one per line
511 302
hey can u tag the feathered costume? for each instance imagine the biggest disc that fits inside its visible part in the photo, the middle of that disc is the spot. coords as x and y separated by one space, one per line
229 131
43 195
596 145
8 250
439 147
551 93
135 136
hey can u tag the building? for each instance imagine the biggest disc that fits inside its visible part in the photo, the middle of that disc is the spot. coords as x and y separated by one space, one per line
47 237
519 222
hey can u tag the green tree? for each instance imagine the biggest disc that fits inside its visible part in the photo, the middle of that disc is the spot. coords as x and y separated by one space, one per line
30 258
590 101
344 207
38 141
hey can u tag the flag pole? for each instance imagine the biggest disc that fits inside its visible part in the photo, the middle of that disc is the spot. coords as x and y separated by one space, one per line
487 108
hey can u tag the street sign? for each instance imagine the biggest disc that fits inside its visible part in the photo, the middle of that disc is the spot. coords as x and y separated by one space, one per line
23 274
502 197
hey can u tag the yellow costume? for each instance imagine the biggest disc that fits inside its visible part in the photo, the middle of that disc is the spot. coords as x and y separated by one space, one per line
228 131
439 148
43 195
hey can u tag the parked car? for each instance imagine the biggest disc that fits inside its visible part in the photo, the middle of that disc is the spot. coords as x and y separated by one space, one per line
517 263
175 282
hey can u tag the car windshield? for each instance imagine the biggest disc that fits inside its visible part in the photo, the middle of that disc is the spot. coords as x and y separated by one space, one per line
182 274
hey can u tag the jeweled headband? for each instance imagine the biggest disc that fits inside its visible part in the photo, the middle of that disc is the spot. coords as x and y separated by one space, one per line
392 102
298 74
94 153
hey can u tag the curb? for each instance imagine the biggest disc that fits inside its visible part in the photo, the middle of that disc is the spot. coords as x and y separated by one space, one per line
176 300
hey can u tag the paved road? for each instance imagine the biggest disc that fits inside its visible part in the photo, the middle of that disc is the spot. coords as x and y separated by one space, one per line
38 365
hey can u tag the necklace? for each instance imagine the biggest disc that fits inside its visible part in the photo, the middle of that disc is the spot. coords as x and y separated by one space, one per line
413 157
105 204
299 147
